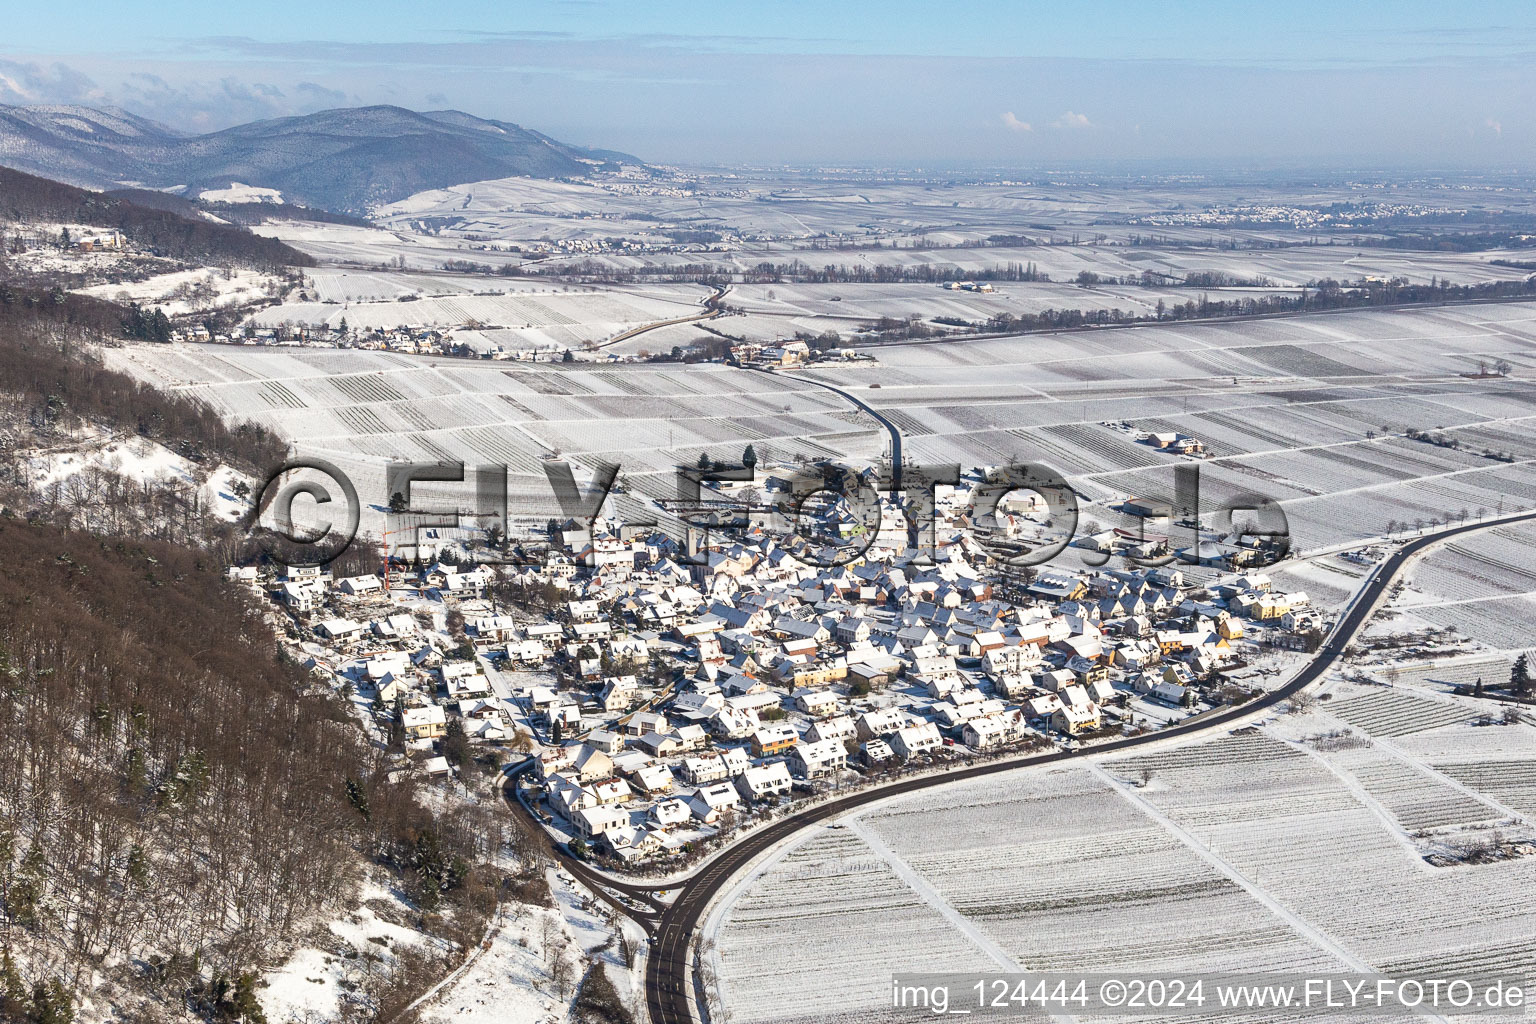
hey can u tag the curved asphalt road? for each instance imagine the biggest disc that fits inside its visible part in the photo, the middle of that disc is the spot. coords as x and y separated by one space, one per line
666 971
890 428
712 310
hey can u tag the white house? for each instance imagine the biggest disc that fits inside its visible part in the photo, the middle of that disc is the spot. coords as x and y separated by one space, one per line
993 730
916 739
840 728
359 584
764 782
667 813
811 760
817 703
713 800
872 724
594 821
701 771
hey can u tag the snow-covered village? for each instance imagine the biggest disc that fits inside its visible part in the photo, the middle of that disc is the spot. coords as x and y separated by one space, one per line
671 696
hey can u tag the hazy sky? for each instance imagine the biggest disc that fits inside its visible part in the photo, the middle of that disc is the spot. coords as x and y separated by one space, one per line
1351 84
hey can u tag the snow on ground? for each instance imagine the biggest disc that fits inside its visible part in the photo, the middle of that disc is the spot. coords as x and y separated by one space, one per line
237 192
144 462
1274 849
1313 417
141 460
544 317
309 984
1482 587
510 982
190 291
362 409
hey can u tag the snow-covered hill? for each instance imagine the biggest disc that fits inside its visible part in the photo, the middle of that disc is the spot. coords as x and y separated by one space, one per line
342 159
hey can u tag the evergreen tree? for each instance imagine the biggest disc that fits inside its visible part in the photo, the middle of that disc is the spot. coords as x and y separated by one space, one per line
13 991
160 326
397 725
456 744
358 797
749 457
135 775
138 866
243 1002
1520 677
51 1003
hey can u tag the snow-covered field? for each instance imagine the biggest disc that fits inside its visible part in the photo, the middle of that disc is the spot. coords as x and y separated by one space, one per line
1254 852
523 314
1307 412
1310 412
911 224
192 291
354 245
238 192
365 409
1484 588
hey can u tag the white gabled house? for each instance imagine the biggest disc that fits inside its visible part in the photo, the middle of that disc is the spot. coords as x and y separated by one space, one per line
701 771
991 731
713 800
840 728
916 739
874 724
813 760
590 822
355 585
653 779
666 813
764 782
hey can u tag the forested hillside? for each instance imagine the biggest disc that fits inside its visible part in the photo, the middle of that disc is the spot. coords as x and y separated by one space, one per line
51 377
25 198
181 804
169 786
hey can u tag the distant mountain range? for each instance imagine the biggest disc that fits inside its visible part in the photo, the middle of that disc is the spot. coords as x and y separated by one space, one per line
344 160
